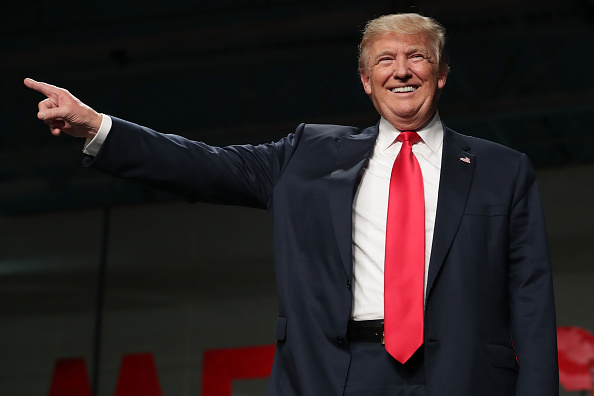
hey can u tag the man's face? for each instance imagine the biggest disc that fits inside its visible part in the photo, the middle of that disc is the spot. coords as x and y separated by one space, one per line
403 79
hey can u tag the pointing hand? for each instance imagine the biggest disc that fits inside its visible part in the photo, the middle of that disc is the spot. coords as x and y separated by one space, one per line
63 112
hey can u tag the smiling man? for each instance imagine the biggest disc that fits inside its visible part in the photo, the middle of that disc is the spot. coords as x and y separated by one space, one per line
404 78
410 259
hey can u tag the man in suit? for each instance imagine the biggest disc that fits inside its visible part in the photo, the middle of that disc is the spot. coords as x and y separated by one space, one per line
484 298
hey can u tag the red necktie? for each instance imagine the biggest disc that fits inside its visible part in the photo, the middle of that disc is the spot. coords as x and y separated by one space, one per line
404 266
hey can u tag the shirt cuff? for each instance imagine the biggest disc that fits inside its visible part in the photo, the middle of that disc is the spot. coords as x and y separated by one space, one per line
92 145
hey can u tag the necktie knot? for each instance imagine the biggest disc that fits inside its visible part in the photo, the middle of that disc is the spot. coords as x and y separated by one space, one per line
409 136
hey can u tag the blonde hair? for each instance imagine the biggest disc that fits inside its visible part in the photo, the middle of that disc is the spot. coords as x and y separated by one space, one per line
406 24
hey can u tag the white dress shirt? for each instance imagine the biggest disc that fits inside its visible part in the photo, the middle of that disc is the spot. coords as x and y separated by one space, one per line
370 210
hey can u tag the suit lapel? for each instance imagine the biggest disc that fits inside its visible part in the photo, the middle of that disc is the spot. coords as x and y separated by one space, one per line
457 168
456 176
353 153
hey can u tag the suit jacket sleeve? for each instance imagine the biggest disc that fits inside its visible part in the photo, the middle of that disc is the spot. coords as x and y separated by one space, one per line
531 290
239 175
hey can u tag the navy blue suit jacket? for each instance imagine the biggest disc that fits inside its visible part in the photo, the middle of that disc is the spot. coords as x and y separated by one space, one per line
489 320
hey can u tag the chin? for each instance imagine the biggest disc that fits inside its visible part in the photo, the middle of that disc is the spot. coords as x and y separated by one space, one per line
408 117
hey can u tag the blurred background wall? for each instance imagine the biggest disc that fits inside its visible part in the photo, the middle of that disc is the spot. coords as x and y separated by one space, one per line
183 278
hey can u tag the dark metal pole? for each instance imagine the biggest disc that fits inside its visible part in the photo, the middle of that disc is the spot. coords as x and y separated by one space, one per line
99 303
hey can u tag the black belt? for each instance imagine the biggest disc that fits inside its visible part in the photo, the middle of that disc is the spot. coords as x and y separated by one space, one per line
366 331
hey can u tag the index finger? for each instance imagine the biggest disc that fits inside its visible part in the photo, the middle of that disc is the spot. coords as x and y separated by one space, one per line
43 88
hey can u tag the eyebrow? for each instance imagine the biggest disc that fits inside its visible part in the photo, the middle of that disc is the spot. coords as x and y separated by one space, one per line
422 50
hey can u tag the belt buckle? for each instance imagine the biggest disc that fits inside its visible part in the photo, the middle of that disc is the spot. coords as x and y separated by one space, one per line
383 334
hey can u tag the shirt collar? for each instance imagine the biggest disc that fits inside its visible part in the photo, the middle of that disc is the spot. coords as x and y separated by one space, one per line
431 134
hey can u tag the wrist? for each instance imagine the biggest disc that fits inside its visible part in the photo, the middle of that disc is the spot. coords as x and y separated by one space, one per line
95 124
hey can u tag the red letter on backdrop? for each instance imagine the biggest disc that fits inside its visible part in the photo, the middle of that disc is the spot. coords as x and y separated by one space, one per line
138 377
576 358
70 378
138 373
222 366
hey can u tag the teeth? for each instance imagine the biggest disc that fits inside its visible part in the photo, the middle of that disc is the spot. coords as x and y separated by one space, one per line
404 89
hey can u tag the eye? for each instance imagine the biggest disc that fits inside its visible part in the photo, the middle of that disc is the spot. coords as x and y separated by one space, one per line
385 60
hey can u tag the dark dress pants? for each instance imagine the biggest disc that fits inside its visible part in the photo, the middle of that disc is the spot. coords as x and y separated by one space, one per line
373 372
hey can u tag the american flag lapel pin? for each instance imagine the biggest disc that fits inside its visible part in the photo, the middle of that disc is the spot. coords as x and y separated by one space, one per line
465 160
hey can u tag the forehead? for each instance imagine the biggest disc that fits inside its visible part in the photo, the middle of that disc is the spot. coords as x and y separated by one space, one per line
399 42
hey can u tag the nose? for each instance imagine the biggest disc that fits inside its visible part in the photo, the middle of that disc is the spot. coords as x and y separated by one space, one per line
401 68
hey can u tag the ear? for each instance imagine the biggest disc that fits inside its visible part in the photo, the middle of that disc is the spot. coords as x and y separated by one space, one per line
443 76
441 82
365 81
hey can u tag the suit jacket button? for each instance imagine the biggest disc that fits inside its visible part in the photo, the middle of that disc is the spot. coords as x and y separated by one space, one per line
340 340
349 284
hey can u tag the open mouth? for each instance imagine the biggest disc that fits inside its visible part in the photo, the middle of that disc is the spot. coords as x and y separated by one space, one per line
404 89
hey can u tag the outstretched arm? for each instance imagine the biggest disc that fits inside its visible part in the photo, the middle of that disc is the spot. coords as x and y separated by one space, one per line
63 112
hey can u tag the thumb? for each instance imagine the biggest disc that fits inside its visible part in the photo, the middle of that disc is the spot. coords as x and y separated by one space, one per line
49 113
